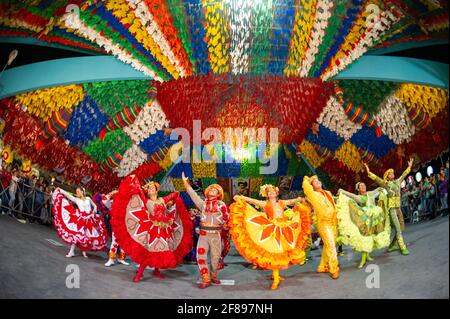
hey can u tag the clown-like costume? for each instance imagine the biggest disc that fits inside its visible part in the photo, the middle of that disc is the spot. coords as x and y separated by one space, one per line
392 204
104 204
79 227
325 212
151 233
275 237
213 219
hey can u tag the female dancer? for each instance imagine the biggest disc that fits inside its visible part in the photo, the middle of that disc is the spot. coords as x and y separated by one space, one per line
79 227
151 234
272 238
392 186
104 204
361 223
325 212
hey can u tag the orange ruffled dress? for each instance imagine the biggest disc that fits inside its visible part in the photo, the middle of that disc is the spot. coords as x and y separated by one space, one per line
270 243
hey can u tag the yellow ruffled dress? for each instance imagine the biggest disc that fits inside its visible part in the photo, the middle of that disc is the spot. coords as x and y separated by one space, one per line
270 243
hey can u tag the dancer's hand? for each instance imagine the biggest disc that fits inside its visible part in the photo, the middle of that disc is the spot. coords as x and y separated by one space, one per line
185 180
411 162
300 199
367 168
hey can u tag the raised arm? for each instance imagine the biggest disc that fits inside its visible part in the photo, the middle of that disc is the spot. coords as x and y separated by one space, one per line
376 192
293 201
375 178
381 182
407 171
355 197
259 203
192 194
68 195
308 189
171 197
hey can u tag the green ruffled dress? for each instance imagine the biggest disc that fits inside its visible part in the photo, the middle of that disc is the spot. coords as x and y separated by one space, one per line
361 223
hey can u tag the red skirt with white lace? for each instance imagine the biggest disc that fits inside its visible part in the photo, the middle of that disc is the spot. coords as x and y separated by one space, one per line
85 230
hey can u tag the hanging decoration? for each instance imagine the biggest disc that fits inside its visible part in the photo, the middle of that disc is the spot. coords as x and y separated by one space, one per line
196 20
321 20
7 155
149 121
309 151
349 155
262 17
240 35
429 99
86 122
368 94
348 20
123 20
132 159
114 142
325 138
154 15
42 103
58 122
334 117
147 171
95 31
335 21
365 139
179 18
283 21
304 19
377 24
114 96
217 35
394 121
356 114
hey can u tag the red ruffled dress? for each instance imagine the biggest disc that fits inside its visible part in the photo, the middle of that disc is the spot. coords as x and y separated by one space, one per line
149 233
79 226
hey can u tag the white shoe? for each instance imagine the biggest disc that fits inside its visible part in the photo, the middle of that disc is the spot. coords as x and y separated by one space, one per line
123 262
69 255
109 263
85 255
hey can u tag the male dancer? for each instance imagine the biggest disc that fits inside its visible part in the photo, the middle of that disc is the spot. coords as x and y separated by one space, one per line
214 218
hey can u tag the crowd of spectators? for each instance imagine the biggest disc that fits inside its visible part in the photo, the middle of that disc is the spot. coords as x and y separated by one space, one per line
427 198
23 196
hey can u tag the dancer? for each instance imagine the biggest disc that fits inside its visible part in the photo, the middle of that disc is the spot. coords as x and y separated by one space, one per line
104 204
226 245
361 223
325 212
152 233
392 186
191 257
214 218
272 238
79 227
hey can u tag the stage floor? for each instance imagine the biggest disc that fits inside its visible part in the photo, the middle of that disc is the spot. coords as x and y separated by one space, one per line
31 266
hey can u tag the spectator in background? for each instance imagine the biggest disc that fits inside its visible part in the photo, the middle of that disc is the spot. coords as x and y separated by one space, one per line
13 186
446 170
432 195
424 184
46 216
405 208
443 191
6 180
